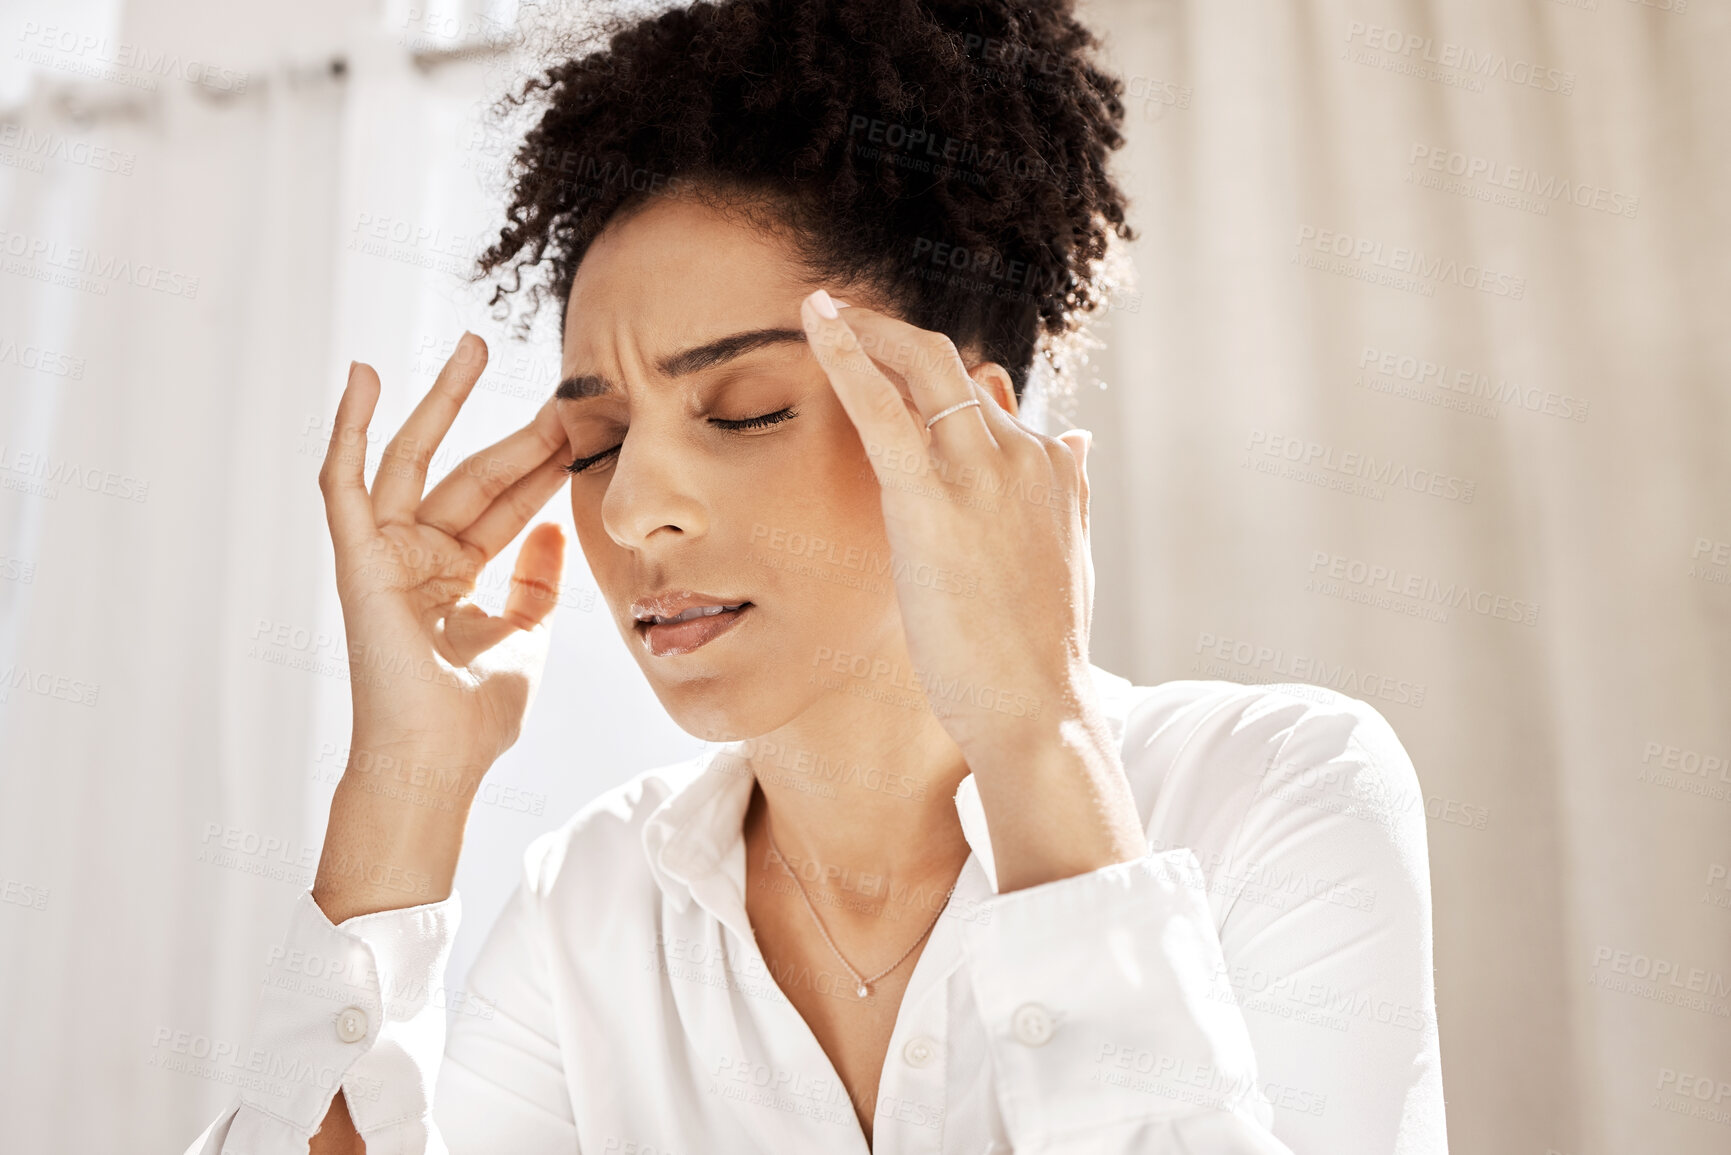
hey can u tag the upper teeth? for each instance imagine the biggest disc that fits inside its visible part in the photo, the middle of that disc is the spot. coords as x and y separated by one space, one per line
693 612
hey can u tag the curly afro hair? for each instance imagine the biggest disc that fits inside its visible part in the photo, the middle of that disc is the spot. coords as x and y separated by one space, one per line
949 153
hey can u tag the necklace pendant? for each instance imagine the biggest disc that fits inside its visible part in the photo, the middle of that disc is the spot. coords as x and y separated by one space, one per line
863 991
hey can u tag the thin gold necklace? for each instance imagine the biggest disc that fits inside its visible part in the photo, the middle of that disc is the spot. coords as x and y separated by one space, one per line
863 987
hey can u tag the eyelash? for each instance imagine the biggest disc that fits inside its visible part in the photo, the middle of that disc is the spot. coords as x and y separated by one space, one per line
583 463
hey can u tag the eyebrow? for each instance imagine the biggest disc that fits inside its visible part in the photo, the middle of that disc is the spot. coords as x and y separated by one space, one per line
698 357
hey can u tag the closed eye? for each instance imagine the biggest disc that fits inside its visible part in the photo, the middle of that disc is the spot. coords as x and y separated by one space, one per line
775 418
582 464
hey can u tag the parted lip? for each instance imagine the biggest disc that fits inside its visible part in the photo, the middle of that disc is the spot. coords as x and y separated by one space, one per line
672 602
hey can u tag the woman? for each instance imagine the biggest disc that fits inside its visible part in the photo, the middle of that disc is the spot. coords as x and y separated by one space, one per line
939 884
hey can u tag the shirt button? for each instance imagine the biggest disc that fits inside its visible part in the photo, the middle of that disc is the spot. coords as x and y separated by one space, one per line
918 1051
351 1024
1032 1024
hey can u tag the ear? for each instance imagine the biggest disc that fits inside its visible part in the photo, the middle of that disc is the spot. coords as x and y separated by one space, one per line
995 379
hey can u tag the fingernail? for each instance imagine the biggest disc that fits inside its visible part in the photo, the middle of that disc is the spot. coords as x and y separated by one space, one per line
825 307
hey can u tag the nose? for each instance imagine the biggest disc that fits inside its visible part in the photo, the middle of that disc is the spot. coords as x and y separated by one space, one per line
654 494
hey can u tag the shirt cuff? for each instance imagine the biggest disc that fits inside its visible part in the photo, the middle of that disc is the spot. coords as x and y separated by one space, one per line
1106 1006
358 1006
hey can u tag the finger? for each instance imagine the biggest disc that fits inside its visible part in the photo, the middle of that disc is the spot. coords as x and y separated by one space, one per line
467 491
875 406
471 631
403 470
501 521
342 477
1005 427
1079 441
937 379
535 580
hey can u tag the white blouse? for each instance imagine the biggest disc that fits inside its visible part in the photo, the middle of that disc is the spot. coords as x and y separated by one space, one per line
1260 982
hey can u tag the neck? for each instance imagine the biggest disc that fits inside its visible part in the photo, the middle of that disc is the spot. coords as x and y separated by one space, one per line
855 788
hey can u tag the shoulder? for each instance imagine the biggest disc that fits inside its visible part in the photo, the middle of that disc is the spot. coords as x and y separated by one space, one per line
1230 733
597 855
1244 773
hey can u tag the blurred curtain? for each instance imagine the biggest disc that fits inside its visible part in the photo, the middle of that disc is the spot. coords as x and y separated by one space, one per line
1427 396
206 210
167 289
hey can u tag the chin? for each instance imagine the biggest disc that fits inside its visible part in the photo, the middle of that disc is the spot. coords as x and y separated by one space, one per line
725 689
717 705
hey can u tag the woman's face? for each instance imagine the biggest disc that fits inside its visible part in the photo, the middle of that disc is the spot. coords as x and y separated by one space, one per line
682 319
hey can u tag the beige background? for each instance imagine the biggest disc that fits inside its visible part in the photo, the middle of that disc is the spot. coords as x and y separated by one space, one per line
1564 854
1540 729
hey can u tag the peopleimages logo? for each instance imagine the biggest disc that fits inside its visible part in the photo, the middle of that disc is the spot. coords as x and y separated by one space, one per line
37 146
1399 266
87 269
1375 474
1374 576
1497 175
925 150
119 61
1251 662
1478 64
49 473
41 360
1658 970
1470 384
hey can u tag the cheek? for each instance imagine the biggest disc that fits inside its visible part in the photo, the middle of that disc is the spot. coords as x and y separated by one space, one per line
840 590
585 515
605 557
831 485
848 475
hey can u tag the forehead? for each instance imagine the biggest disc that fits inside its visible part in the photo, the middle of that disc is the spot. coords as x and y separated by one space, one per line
675 273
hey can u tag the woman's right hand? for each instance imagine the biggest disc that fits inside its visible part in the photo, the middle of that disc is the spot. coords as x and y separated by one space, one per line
429 669
440 686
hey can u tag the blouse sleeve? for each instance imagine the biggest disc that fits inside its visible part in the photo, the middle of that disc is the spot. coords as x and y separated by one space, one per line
357 1007
363 1006
1277 1001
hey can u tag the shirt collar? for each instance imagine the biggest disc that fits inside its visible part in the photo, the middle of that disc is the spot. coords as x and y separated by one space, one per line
693 837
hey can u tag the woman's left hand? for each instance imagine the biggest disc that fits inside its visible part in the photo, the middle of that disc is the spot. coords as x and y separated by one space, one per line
987 523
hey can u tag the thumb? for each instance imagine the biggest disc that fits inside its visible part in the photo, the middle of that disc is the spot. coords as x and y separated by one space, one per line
470 631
